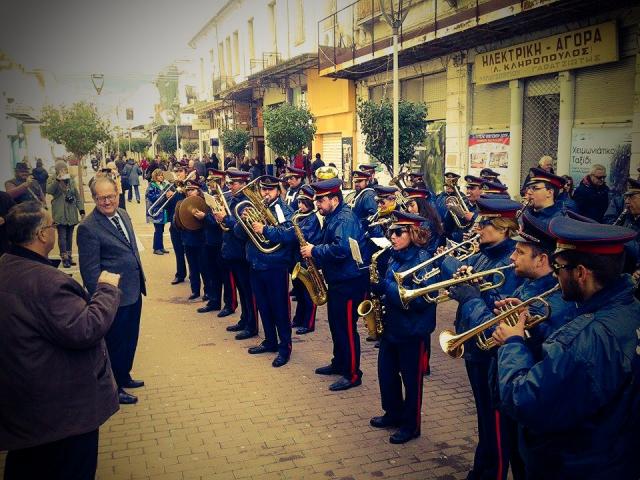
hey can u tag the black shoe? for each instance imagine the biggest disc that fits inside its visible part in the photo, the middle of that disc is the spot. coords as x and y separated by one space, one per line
403 436
234 328
66 263
158 252
206 308
328 370
205 298
126 398
225 312
261 349
304 330
279 361
177 280
193 296
344 384
384 421
164 250
244 334
133 384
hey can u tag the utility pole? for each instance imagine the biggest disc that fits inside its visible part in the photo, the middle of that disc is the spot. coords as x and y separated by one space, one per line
395 19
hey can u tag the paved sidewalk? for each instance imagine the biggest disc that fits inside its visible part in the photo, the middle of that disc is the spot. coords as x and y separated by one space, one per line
209 410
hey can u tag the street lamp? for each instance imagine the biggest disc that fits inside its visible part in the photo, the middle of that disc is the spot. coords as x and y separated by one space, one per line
98 81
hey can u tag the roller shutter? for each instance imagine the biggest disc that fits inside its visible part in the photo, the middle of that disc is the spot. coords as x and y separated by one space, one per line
332 150
491 106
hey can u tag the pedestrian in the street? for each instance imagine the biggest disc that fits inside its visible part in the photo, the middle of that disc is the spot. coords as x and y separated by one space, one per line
67 209
40 174
106 240
200 167
317 163
132 172
156 187
24 187
56 380
592 194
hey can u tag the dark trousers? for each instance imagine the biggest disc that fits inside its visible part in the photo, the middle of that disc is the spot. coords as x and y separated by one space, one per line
122 340
305 315
72 458
249 316
195 259
121 201
158 231
402 364
342 310
178 250
271 289
129 192
218 278
65 238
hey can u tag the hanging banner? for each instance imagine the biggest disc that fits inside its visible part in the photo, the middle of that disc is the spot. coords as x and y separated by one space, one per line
608 146
347 159
565 51
489 150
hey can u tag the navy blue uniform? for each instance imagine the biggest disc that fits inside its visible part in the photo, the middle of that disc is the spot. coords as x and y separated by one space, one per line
291 199
347 287
176 236
217 273
365 205
579 404
547 213
193 242
233 253
405 343
270 279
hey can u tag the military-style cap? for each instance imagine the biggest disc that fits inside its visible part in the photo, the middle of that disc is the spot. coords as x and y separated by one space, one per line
474 181
325 187
416 175
306 192
451 175
495 195
192 185
238 175
494 187
577 216
213 172
404 219
360 175
295 172
269 181
383 191
498 207
367 168
178 168
633 187
593 238
489 174
537 175
535 231
413 193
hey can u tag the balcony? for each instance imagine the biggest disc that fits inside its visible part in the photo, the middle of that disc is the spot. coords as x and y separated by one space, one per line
269 59
220 84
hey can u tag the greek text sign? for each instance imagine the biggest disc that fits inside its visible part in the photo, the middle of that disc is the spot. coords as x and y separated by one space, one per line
579 48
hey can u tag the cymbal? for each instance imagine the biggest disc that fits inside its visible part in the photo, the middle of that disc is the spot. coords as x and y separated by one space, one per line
188 221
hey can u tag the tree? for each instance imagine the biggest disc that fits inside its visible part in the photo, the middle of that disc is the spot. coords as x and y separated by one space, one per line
289 128
140 145
235 141
79 128
167 139
376 120
189 146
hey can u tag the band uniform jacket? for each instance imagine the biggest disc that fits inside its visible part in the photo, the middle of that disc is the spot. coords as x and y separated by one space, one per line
56 378
102 247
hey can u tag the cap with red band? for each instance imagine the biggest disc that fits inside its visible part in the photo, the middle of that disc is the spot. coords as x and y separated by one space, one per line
216 173
404 219
326 187
413 193
360 175
498 207
540 175
594 238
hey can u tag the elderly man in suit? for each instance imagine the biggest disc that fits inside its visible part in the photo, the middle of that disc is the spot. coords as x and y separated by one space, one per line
106 241
56 382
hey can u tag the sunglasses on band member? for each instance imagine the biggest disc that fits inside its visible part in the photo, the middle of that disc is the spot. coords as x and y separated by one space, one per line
484 222
556 267
397 231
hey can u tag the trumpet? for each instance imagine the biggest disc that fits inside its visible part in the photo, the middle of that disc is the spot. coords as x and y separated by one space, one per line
161 202
453 345
407 296
400 180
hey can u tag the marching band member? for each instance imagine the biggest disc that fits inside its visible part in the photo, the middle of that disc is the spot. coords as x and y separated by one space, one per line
416 180
542 191
347 285
174 232
294 177
497 224
193 242
577 403
418 203
233 253
494 189
217 274
364 204
371 170
406 333
490 175
440 203
270 274
632 220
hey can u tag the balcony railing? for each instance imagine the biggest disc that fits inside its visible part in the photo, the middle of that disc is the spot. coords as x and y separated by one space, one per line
269 59
220 84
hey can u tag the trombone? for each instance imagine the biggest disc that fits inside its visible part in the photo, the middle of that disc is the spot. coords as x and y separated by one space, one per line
161 202
453 345
407 295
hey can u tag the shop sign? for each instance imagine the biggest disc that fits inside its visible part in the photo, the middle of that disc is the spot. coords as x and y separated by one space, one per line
201 123
576 49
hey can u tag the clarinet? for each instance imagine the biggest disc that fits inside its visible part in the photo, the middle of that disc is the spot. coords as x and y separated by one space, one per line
620 219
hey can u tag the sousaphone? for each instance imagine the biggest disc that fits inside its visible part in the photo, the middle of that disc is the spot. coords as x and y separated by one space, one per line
185 212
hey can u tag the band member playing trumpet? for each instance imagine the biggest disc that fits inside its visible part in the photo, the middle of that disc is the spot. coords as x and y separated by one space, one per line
233 253
270 273
347 284
494 190
577 403
418 203
542 191
406 333
497 224
448 190
364 204
193 242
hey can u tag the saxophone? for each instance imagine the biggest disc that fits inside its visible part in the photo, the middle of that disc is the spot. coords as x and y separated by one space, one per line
371 310
310 277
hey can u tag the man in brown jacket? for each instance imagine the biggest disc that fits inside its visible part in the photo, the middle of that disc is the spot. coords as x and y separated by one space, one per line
55 376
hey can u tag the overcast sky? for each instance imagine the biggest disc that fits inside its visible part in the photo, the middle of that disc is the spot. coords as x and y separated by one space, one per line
128 41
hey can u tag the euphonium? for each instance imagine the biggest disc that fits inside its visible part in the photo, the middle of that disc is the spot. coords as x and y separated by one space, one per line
457 204
371 310
220 203
254 210
407 296
453 345
311 277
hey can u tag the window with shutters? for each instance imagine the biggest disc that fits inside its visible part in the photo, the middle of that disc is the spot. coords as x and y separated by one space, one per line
491 106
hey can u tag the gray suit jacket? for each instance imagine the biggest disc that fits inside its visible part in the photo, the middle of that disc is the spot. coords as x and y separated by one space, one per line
102 247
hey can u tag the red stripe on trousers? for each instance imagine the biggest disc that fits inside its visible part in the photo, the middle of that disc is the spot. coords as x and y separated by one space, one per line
312 318
286 279
352 346
499 444
420 379
234 298
255 310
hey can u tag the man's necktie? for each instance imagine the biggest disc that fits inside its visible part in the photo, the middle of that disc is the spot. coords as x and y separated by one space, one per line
116 222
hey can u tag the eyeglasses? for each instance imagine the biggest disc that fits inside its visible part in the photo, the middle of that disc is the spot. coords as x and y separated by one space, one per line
600 177
53 225
106 199
556 267
484 223
535 189
398 231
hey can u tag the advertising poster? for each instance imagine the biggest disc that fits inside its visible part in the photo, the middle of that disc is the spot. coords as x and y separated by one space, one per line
489 150
347 159
609 146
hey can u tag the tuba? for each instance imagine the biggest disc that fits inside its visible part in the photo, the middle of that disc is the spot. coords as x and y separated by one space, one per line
254 210
453 345
371 310
310 277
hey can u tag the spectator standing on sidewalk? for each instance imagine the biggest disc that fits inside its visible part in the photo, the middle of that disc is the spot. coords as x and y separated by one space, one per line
40 174
132 172
592 195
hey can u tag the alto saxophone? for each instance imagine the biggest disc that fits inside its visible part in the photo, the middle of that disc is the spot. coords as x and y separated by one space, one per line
371 310
310 277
